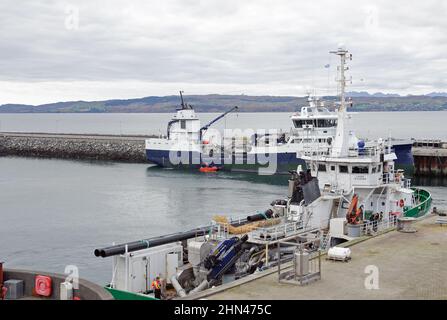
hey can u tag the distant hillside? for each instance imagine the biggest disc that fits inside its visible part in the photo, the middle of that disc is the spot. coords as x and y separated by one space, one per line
218 103
357 94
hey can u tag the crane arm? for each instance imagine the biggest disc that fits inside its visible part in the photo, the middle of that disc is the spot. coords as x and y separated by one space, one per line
205 127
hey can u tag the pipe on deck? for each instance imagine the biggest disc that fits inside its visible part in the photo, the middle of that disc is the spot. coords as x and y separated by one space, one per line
150 242
202 286
180 291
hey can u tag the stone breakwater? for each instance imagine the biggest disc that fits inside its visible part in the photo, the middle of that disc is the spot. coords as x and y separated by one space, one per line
75 146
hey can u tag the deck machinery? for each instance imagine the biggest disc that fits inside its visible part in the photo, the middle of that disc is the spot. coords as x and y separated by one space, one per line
224 251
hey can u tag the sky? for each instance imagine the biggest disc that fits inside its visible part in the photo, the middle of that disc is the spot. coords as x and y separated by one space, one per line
104 49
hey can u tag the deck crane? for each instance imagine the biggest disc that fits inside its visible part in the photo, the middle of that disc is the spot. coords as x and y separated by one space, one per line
205 127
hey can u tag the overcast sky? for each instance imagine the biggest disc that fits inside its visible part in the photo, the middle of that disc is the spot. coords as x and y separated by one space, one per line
92 50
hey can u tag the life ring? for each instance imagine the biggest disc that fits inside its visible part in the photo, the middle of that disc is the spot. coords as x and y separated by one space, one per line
43 285
401 203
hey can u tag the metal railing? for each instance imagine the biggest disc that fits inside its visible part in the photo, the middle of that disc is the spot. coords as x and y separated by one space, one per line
279 231
368 151
368 228
396 177
306 264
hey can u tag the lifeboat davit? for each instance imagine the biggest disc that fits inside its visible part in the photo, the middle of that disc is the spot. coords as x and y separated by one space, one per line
209 169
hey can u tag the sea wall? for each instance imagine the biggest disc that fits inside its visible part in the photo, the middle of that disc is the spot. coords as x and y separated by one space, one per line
430 158
88 147
430 165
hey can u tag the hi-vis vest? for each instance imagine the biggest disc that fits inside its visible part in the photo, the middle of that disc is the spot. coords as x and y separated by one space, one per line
156 284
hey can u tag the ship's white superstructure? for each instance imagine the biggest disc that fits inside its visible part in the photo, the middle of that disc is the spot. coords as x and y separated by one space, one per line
358 186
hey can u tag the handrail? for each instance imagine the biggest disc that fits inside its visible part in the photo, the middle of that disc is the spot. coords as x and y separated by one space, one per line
370 227
422 207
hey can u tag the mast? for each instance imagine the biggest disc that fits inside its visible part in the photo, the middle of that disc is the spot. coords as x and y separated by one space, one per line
183 104
344 54
340 147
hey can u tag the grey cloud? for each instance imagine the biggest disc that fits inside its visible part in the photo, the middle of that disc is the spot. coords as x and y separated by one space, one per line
396 45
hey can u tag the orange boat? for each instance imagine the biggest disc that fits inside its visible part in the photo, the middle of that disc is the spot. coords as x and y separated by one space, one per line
209 169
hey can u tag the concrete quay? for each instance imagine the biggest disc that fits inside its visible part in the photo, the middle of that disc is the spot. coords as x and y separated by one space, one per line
430 158
410 266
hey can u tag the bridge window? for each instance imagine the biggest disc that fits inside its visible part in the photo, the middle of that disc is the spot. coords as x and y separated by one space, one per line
332 168
182 124
343 169
325 123
358 169
299 123
322 167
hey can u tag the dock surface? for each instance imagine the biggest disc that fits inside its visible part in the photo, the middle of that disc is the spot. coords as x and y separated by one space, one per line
411 266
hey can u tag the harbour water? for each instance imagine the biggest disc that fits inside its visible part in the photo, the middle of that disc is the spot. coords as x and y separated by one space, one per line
55 212
418 125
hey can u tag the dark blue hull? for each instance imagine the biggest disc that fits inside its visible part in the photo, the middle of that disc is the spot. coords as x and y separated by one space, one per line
239 163
404 156
193 160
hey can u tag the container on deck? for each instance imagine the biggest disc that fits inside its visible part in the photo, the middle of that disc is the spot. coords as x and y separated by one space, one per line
354 230
338 253
301 263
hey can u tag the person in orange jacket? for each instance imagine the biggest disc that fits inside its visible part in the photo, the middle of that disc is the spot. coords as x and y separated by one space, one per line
156 285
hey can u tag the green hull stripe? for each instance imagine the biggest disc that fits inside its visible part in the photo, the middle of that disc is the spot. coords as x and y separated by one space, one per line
423 199
125 295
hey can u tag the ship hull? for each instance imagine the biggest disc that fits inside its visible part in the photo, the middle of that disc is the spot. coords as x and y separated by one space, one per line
237 163
404 156
285 161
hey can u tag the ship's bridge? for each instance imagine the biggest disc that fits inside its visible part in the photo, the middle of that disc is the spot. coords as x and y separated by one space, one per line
314 117
184 125
355 172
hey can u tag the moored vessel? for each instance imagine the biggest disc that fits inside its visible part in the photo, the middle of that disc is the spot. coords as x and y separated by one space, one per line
188 146
348 192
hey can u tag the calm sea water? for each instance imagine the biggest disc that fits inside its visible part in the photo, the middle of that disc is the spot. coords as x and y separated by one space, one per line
420 125
56 212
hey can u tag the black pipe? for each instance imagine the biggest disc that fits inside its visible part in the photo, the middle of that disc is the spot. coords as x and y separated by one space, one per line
150 242
261 216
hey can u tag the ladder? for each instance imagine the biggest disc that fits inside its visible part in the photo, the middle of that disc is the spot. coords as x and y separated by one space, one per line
325 240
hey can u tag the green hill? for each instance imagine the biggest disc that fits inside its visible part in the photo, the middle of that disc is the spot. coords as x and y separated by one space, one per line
219 103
